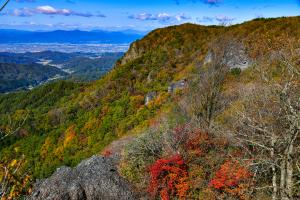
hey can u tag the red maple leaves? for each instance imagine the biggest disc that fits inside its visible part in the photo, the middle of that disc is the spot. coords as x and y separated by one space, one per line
169 178
172 178
230 175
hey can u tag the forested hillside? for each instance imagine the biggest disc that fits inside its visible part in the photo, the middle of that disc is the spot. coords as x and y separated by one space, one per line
23 71
21 76
89 69
213 112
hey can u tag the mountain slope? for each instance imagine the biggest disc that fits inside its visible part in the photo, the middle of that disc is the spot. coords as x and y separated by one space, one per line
87 68
18 76
19 71
16 58
82 124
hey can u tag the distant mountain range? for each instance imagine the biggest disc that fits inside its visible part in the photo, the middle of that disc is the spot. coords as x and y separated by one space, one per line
74 36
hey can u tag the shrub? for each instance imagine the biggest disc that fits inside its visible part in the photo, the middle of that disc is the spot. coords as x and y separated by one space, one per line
169 178
140 153
13 181
232 178
236 71
107 153
191 142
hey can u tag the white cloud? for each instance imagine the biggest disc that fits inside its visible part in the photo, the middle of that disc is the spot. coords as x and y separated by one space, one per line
23 12
162 17
49 10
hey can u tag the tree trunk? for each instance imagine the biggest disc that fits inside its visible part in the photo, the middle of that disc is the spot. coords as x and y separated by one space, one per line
274 183
286 180
289 173
283 179
274 173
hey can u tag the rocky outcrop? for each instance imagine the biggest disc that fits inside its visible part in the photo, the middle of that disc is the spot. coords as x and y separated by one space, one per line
235 56
150 96
93 179
177 86
134 52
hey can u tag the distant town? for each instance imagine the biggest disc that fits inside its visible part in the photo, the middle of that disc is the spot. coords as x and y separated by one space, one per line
63 47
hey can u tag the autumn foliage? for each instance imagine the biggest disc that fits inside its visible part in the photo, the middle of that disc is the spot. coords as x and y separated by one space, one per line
232 178
13 183
169 178
230 174
191 142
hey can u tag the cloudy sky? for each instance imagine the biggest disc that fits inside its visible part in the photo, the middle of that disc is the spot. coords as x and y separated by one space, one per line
136 14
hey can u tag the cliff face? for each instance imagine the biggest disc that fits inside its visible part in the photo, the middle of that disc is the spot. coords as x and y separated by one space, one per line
134 52
94 178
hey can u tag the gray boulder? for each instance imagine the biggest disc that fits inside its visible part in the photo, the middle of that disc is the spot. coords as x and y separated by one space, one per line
93 179
177 86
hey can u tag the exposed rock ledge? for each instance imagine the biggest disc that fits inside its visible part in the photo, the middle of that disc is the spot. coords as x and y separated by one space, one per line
93 179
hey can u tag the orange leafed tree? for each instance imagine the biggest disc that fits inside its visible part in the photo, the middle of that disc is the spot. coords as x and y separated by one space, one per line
232 178
169 178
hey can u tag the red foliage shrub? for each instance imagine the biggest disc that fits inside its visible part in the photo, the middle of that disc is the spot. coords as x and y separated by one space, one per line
198 143
107 153
169 178
190 141
230 175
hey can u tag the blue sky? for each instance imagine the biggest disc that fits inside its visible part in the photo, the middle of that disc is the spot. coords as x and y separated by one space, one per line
137 14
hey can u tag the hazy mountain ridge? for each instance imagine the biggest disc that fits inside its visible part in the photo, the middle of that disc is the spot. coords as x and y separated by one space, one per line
62 36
